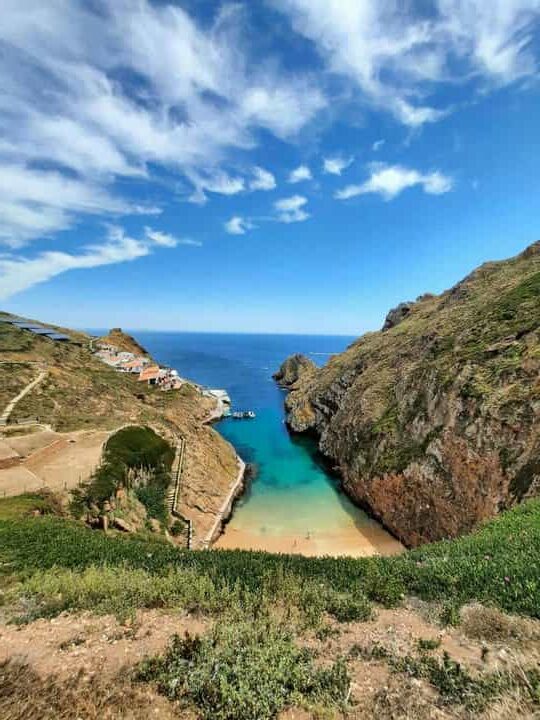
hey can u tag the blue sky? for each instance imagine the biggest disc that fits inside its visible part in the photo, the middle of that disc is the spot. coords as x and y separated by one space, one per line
262 166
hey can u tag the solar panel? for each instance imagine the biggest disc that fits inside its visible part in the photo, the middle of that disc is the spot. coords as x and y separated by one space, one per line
58 336
28 326
40 330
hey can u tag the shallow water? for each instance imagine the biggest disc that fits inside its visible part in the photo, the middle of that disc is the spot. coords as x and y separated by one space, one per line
293 504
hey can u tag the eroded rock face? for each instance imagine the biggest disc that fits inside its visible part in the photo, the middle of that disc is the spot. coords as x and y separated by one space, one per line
293 369
435 423
397 315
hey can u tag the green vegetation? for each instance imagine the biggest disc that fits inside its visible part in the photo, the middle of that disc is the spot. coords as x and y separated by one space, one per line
12 339
454 683
496 565
13 378
526 292
135 458
249 663
245 672
428 644
20 506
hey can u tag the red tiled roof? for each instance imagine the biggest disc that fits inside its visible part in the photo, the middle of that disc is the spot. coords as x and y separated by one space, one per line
150 373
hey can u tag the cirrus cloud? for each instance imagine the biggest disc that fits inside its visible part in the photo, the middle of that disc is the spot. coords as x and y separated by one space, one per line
18 273
396 54
100 92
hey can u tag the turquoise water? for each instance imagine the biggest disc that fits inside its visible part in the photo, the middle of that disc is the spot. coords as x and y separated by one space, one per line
293 496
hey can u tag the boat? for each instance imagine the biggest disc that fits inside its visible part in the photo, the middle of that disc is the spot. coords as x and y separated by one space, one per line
245 415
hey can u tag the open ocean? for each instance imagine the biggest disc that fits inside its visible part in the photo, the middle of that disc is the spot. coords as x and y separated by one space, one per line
292 494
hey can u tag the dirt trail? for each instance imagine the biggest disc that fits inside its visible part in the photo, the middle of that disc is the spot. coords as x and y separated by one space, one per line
4 417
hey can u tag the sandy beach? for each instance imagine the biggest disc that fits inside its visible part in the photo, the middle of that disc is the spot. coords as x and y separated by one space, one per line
347 542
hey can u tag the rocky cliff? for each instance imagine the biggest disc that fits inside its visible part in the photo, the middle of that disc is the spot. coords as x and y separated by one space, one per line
293 369
434 422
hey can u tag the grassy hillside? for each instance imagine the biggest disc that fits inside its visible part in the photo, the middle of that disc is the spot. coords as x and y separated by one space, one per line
498 564
81 392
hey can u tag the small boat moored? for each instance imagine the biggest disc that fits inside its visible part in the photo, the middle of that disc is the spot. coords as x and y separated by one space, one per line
246 415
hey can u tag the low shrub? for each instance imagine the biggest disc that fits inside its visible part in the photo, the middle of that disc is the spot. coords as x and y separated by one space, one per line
245 672
454 684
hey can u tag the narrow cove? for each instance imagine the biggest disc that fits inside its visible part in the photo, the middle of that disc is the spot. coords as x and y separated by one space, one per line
293 504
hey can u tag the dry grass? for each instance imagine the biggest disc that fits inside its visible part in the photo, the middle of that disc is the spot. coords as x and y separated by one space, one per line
404 699
24 695
489 623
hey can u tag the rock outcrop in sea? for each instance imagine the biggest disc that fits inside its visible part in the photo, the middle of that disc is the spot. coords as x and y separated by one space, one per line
294 367
434 423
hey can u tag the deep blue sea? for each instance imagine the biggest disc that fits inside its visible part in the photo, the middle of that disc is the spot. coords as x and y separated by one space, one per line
293 503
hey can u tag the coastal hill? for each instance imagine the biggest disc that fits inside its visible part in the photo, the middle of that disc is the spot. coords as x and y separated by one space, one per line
117 338
433 422
79 393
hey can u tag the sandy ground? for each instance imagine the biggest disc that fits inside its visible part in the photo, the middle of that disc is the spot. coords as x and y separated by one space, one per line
350 542
18 480
25 445
92 644
6 450
55 460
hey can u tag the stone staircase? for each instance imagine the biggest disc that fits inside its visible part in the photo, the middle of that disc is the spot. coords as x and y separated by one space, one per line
173 495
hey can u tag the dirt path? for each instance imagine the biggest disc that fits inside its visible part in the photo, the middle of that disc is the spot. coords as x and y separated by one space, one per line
11 405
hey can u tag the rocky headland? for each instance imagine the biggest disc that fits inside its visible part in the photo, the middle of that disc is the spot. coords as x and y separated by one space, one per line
292 369
433 422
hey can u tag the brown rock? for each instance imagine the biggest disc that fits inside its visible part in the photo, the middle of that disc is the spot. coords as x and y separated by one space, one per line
122 525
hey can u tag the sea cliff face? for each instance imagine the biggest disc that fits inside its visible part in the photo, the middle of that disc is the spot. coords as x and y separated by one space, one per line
433 423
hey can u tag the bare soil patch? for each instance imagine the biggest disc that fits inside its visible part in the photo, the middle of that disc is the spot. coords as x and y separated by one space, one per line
94 645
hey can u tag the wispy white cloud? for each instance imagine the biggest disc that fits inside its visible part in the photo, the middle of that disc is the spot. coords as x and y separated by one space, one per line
262 180
388 181
397 53
40 202
218 182
336 165
291 209
18 273
300 174
186 97
377 145
167 240
238 225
